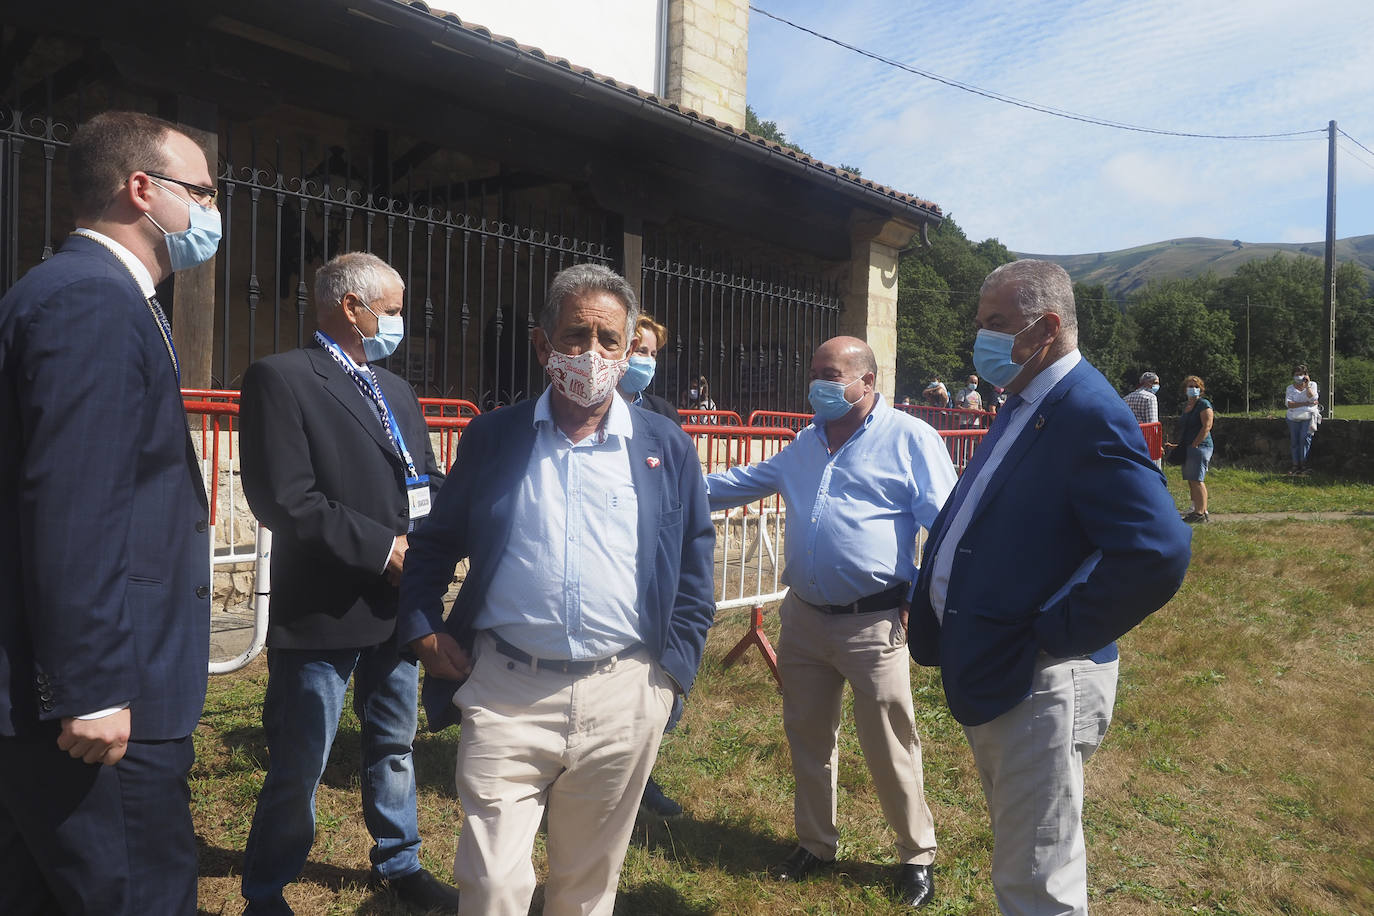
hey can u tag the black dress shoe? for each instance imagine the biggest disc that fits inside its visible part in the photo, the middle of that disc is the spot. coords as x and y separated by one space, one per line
420 891
915 885
798 865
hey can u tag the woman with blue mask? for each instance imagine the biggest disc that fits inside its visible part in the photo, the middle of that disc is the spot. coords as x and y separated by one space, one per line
650 337
1195 435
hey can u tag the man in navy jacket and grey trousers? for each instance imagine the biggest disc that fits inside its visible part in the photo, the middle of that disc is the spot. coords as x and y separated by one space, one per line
1061 498
582 617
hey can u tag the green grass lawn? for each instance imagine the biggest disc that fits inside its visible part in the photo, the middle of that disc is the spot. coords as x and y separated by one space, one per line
1343 412
1235 778
1233 490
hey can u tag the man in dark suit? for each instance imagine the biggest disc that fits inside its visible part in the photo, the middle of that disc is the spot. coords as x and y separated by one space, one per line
104 550
337 464
581 620
1061 498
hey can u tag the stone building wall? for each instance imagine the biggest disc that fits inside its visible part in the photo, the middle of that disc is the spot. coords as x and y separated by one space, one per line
1341 447
708 57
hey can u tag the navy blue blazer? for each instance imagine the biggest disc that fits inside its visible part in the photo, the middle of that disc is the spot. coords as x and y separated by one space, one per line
472 519
1078 479
319 471
104 544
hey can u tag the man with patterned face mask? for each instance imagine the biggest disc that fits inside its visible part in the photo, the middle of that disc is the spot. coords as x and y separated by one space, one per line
581 621
859 483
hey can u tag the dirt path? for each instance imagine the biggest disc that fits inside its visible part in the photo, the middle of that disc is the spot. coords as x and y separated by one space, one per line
1280 516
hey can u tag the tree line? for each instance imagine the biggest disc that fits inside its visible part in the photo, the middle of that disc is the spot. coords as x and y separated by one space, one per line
1175 327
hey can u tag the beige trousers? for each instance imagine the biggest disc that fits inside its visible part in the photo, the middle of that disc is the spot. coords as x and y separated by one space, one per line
817 653
580 747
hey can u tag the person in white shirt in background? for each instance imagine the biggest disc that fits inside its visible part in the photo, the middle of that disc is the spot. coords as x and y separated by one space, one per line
1304 415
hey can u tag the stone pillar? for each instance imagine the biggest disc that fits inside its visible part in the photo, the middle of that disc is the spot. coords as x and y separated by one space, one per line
870 298
708 57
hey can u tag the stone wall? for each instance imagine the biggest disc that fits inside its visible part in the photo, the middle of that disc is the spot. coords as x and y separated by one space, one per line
708 57
1341 447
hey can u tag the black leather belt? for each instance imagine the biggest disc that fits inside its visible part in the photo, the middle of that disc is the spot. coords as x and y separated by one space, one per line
561 665
884 600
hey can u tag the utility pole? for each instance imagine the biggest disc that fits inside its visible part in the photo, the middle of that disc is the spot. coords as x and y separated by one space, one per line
1329 278
1247 357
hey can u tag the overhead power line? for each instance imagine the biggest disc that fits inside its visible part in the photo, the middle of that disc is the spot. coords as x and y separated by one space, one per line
1356 156
1354 141
1034 106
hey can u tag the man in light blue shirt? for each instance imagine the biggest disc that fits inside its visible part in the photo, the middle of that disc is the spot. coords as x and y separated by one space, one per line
859 483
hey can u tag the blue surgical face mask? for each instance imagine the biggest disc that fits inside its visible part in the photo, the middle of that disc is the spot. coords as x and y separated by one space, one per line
1193 392
638 374
828 400
199 241
391 330
992 356
1154 389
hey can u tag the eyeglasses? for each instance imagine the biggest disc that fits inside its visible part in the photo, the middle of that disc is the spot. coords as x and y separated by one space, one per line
202 195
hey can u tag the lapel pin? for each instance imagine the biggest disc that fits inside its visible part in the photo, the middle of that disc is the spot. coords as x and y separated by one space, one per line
1040 422
652 462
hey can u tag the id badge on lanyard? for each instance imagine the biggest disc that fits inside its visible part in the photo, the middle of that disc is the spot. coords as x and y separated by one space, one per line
417 494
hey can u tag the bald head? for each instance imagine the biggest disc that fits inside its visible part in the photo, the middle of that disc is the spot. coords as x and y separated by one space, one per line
849 353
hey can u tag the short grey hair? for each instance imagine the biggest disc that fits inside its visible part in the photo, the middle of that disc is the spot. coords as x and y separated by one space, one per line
1149 377
358 272
585 278
1041 286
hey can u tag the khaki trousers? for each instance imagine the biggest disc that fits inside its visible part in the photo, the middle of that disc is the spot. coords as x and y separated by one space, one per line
581 746
817 653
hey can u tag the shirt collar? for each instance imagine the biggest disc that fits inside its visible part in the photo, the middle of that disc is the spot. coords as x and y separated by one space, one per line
1050 376
618 421
142 277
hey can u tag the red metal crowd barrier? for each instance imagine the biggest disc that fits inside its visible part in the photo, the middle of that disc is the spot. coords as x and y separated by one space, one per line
948 417
446 419
781 418
961 443
215 417
716 417
448 407
723 447
1154 439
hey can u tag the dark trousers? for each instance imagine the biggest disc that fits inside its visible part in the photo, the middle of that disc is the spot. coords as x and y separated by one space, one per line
77 838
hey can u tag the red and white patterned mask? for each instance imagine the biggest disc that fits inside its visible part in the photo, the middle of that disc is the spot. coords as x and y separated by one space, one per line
587 379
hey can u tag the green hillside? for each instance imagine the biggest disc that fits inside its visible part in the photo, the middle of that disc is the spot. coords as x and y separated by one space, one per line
1122 272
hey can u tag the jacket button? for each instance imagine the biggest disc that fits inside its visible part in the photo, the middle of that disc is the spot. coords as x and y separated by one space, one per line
203 592
201 526
47 705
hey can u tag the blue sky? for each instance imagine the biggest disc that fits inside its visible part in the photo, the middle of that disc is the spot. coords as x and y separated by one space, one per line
1043 184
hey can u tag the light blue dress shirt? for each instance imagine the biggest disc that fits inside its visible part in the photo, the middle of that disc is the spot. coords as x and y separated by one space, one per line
1031 397
852 517
566 586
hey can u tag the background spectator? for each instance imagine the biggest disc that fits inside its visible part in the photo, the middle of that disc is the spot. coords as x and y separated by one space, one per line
1304 414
